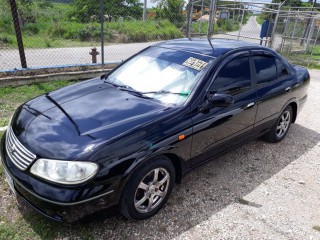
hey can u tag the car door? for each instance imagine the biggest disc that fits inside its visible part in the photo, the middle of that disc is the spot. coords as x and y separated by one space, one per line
221 128
274 82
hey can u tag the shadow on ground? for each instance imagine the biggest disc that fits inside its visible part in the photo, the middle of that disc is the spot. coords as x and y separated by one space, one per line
204 192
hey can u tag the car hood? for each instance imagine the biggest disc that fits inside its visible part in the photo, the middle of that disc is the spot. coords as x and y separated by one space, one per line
72 121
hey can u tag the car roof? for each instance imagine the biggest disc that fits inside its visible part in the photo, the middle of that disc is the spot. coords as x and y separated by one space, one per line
202 45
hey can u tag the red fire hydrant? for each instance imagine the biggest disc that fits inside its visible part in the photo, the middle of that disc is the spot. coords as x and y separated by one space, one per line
94 54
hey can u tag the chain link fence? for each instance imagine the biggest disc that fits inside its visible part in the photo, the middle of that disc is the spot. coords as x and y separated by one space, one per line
300 36
232 20
64 32
75 32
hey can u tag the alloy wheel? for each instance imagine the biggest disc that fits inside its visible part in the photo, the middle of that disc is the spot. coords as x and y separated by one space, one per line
283 124
152 190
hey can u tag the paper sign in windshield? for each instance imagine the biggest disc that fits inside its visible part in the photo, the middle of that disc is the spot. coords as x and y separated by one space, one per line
194 63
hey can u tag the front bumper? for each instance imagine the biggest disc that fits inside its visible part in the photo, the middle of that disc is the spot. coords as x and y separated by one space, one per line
58 206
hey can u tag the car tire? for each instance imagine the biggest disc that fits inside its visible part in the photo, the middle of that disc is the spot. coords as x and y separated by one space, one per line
148 189
281 127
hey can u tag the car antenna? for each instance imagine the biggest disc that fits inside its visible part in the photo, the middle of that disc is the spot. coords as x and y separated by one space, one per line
209 40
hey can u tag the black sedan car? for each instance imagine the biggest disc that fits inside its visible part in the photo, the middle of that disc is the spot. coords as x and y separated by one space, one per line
127 137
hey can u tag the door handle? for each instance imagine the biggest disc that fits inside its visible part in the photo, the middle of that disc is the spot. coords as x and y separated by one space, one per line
288 89
250 105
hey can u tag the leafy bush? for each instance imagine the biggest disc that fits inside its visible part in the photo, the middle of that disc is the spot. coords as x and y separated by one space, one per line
227 25
6 40
6 23
31 28
171 10
53 27
139 31
88 33
85 9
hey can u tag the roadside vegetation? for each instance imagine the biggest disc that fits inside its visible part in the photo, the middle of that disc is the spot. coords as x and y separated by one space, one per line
51 24
76 23
221 26
297 51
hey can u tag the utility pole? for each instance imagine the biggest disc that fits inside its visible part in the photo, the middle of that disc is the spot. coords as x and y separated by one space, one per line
17 30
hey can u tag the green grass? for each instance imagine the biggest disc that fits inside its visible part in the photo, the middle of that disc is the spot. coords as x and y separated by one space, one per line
34 226
12 97
304 58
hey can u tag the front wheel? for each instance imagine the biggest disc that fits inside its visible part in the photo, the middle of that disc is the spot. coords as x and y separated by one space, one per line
148 189
281 127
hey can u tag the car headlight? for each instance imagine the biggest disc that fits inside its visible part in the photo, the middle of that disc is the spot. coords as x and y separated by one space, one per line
64 172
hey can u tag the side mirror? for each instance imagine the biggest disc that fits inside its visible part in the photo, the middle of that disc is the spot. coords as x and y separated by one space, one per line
221 100
217 100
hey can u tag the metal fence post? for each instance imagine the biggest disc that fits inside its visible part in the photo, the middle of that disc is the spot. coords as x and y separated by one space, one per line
293 33
314 45
189 18
200 23
284 33
102 30
238 37
17 29
211 18
275 26
310 33
144 10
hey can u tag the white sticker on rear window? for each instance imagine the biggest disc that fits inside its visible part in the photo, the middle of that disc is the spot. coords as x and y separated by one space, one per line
194 63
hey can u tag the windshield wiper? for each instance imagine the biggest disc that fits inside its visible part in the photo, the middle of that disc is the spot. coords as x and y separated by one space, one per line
167 92
126 88
141 94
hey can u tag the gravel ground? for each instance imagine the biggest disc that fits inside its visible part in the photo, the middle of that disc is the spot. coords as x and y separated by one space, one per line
257 191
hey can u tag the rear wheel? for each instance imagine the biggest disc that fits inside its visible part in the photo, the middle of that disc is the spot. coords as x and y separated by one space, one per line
148 189
281 127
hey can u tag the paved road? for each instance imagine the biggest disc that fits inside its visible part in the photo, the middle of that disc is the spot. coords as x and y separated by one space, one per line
9 59
248 32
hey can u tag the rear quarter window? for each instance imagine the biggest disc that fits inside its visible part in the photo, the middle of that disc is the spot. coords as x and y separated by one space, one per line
281 69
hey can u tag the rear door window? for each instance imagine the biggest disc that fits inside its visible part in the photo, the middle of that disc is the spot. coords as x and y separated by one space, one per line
266 70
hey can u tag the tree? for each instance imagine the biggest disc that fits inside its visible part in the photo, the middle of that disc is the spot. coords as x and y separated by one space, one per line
26 11
171 10
85 9
290 3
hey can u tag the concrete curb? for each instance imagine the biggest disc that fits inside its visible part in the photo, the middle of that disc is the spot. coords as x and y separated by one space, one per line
18 77
79 75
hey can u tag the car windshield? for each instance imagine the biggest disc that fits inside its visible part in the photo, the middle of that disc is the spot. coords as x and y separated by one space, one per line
163 74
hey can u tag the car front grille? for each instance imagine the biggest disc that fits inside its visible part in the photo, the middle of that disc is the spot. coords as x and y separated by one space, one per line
18 154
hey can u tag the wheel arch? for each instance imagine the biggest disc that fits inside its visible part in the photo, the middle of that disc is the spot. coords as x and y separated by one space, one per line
294 107
177 163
